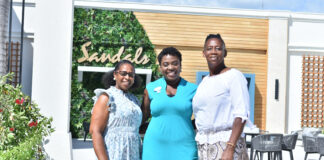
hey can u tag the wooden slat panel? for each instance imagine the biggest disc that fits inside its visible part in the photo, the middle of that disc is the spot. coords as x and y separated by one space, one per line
246 41
190 30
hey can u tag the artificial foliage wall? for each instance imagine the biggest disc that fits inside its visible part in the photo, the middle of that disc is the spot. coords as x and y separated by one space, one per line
101 38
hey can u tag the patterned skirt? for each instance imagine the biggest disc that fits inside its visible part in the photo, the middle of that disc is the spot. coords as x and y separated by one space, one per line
214 151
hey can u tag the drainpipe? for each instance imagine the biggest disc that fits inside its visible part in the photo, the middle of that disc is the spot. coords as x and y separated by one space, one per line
9 43
22 40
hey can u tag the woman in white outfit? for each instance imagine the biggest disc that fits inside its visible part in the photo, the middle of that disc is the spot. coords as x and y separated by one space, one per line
220 107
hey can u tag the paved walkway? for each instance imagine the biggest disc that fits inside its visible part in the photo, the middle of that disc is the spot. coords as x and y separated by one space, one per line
84 151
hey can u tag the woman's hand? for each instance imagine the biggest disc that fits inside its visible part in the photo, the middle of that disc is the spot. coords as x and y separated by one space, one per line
228 153
237 130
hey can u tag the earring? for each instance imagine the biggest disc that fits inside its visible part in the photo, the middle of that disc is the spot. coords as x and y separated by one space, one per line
114 79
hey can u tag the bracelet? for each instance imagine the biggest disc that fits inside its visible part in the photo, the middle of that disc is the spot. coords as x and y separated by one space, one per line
230 144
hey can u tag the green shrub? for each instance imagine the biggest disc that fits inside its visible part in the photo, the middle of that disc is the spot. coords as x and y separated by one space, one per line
22 127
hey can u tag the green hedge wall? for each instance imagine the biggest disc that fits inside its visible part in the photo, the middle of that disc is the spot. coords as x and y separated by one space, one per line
107 31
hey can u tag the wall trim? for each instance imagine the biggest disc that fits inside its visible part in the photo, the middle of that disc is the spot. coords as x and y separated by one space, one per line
18 35
28 3
246 13
142 7
305 48
307 17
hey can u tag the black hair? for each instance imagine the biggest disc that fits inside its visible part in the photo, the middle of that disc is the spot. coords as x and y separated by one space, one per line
169 51
108 78
219 37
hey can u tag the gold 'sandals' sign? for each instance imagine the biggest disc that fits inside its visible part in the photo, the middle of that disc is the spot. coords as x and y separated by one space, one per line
116 58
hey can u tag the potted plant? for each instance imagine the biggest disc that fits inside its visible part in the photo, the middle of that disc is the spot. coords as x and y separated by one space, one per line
22 126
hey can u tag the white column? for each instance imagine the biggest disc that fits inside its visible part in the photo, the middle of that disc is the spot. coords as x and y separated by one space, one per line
51 82
295 91
277 69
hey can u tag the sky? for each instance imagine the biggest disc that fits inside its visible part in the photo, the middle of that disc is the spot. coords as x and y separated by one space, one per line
306 6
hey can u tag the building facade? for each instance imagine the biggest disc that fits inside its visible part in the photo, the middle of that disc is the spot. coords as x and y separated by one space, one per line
269 44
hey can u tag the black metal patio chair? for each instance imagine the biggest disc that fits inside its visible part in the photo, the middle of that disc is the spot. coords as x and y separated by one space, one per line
268 143
309 140
320 146
310 146
289 143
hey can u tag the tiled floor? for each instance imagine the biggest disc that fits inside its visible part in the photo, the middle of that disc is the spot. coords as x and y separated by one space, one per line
84 151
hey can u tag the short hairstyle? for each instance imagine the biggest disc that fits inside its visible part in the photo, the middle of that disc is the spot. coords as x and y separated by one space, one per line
219 37
108 78
169 51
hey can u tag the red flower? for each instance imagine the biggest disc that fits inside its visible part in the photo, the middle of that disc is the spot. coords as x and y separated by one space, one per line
11 129
20 101
1 110
32 124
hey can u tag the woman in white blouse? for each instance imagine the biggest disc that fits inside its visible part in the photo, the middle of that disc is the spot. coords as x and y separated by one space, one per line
220 106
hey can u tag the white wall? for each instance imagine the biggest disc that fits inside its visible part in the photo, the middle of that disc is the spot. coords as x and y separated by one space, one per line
295 87
51 82
27 63
305 38
277 69
27 66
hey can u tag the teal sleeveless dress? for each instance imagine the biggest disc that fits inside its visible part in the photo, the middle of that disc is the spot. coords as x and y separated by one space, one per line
170 134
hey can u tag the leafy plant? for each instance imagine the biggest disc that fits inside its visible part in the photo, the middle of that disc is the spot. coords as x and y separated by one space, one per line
22 127
107 31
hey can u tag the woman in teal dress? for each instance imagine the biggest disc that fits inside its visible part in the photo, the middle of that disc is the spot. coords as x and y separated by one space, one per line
170 134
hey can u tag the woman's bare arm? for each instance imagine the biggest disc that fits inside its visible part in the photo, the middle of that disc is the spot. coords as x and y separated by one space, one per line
97 126
236 133
146 107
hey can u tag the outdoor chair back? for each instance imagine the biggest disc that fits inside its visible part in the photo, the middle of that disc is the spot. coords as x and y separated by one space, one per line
271 143
289 143
320 145
309 144
309 140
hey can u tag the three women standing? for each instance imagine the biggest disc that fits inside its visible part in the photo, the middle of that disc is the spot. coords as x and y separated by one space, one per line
220 106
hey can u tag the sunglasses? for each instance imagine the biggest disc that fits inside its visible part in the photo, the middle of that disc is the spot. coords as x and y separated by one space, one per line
124 73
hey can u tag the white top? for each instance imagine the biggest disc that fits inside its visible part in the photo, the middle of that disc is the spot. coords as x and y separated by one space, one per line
218 101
